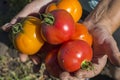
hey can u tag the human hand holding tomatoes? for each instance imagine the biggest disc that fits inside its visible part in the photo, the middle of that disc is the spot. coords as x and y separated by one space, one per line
74 55
32 8
26 36
69 56
101 40
101 49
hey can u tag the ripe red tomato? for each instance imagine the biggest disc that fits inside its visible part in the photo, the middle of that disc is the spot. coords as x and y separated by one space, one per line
51 63
57 26
73 53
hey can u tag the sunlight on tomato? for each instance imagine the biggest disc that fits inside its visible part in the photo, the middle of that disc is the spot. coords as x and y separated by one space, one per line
28 39
73 53
59 28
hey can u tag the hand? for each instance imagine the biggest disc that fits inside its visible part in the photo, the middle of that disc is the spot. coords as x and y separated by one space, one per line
39 6
101 26
104 45
99 59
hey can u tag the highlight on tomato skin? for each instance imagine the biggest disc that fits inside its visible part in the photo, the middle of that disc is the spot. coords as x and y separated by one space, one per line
59 28
82 33
27 38
73 7
72 54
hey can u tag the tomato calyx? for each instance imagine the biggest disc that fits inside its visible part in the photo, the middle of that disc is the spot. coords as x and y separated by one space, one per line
87 65
47 18
17 28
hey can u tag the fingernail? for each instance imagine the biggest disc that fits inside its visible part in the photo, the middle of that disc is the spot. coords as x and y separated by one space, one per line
36 60
23 57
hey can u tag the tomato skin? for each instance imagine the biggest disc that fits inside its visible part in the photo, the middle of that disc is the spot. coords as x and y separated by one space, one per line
51 63
73 7
62 28
73 53
29 41
82 33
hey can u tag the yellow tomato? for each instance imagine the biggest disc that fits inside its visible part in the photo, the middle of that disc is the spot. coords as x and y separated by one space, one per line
27 38
72 6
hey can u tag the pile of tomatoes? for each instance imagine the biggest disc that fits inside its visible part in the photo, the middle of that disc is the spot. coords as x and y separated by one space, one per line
57 26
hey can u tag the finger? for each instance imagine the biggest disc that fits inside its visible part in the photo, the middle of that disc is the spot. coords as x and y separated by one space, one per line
15 19
6 27
23 57
27 10
112 50
99 64
36 59
67 76
32 8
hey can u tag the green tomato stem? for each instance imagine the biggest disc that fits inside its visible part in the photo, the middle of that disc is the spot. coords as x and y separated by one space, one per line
17 28
87 65
47 18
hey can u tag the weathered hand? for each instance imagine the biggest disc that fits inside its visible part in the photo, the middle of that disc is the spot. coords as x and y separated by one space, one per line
100 44
33 8
101 26
104 45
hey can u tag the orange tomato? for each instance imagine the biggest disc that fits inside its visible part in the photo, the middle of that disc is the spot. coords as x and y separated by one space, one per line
81 33
72 6
27 37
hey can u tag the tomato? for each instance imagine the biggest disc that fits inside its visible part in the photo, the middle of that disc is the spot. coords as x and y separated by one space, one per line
57 26
26 36
51 63
73 7
82 33
73 54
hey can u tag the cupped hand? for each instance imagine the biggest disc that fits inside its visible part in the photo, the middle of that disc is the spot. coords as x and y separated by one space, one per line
33 8
104 47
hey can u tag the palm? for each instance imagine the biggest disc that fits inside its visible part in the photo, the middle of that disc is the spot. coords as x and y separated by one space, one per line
104 46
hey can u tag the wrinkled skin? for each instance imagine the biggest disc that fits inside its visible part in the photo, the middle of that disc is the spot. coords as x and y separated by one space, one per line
101 28
103 47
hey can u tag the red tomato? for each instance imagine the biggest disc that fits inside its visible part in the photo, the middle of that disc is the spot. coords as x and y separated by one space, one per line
57 26
51 63
73 53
